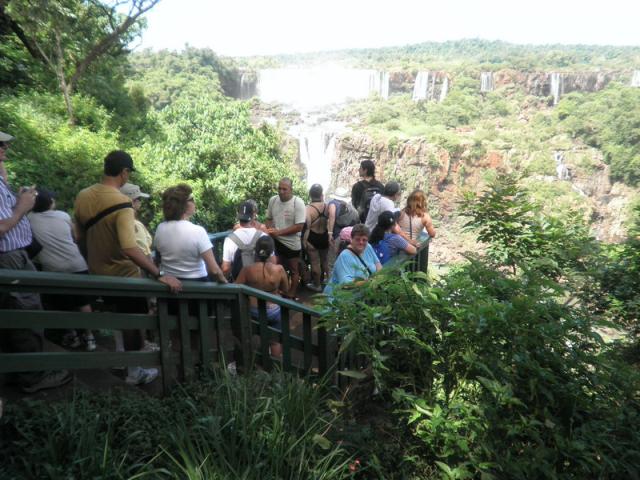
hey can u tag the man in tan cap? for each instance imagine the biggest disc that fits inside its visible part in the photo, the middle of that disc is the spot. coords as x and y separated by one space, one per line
143 237
15 236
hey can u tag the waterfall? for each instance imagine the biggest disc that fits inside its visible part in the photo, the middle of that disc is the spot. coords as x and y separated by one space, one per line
486 82
379 83
635 79
561 169
444 89
311 88
317 145
421 86
247 85
557 86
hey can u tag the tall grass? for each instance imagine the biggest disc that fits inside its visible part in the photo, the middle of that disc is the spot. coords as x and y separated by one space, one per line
262 426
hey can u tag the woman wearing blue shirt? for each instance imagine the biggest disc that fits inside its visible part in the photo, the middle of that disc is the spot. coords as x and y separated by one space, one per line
387 239
356 262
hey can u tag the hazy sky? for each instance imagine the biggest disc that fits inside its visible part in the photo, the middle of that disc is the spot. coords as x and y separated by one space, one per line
251 27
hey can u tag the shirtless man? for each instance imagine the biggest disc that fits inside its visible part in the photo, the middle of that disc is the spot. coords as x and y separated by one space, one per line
268 277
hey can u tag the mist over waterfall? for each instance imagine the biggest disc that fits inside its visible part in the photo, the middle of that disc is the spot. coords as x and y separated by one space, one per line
635 79
486 82
557 86
314 87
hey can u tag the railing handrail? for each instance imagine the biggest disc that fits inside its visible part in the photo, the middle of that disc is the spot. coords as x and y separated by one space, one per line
108 285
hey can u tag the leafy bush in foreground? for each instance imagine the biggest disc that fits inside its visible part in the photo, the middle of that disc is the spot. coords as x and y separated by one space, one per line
495 372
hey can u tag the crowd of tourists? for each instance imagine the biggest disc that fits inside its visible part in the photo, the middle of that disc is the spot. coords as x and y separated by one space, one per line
320 245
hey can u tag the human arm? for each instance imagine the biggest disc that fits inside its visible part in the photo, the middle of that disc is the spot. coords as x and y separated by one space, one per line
331 221
141 260
427 223
24 204
283 286
295 228
212 266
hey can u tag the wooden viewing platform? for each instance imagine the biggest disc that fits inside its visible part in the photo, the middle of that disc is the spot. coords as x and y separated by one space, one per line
212 323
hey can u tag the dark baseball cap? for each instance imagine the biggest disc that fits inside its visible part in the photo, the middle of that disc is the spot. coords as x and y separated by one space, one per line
44 199
116 161
246 211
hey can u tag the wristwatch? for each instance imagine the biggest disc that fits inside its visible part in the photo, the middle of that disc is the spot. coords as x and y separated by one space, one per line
161 273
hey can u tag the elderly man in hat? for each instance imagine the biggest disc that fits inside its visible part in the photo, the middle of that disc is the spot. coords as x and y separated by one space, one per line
15 236
143 237
106 222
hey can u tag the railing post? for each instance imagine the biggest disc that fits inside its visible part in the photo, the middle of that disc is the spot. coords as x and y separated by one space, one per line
204 324
241 327
165 349
326 353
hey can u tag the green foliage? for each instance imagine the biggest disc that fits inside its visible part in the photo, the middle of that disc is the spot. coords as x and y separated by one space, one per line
608 120
517 234
260 426
494 371
48 152
213 146
165 77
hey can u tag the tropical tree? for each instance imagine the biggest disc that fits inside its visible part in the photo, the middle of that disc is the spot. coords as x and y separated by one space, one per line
68 36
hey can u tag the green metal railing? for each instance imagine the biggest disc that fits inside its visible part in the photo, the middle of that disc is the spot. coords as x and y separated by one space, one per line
219 314
211 322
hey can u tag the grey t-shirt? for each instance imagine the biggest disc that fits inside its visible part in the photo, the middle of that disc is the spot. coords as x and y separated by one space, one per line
59 252
286 214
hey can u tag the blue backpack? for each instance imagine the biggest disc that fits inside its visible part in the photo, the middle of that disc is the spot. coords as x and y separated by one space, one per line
383 251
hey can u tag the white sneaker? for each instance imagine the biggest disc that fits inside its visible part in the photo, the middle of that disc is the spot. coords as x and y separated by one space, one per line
232 368
90 342
150 347
142 376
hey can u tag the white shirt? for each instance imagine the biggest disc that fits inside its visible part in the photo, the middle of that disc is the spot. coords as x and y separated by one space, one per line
378 205
181 244
59 252
229 247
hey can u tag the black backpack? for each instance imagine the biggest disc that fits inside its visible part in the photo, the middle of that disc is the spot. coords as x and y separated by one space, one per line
245 254
365 200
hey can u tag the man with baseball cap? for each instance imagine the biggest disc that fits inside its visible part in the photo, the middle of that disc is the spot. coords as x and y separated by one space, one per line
15 236
243 238
106 223
143 237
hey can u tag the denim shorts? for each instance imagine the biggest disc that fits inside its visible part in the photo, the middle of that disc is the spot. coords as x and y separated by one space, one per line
273 315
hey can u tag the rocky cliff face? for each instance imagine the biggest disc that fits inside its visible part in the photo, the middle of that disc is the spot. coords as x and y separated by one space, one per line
418 164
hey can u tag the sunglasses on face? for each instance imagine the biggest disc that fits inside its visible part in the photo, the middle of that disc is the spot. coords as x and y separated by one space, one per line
4 145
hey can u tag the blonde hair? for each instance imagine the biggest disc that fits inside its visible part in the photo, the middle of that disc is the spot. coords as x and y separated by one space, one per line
416 204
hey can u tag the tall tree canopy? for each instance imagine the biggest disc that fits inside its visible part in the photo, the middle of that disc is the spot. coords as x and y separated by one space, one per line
68 36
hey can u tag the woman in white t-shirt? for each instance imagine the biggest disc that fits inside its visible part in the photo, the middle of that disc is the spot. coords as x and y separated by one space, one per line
183 248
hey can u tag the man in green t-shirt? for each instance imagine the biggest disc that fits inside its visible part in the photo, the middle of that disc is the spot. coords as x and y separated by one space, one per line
285 219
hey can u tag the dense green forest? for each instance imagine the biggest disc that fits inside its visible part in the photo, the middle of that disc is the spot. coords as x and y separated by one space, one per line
518 363
489 55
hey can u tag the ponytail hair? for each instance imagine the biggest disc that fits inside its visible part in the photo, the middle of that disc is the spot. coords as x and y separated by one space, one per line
264 248
386 220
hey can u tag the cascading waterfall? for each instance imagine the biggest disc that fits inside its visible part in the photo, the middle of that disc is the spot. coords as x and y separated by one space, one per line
561 169
317 145
421 86
486 82
557 86
635 79
379 83
445 89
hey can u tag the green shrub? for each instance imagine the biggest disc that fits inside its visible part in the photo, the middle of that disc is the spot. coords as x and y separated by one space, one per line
497 374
